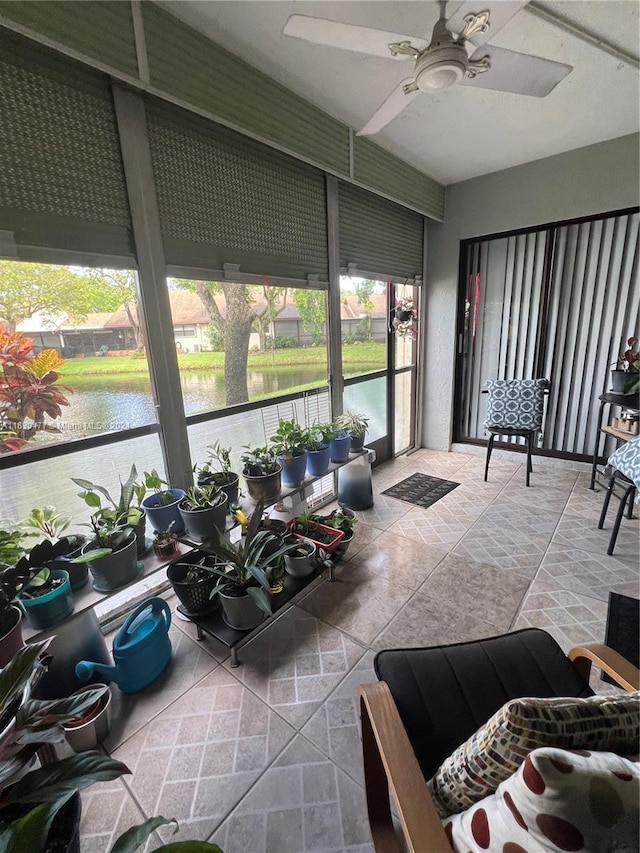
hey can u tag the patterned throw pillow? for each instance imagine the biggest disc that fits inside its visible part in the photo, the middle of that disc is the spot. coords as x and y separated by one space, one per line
515 403
498 748
558 800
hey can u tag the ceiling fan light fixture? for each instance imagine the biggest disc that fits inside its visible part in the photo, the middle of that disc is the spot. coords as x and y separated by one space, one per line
441 68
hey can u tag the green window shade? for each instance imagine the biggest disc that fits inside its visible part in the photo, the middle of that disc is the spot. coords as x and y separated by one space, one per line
191 67
102 31
226 199
378 236
378 169
62 183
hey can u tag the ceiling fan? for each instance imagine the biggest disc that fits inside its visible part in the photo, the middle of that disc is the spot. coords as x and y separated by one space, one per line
457 54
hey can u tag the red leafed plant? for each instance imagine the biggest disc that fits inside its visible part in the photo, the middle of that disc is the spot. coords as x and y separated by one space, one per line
28 390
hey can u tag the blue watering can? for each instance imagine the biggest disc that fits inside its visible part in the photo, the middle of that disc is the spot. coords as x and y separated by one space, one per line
141 649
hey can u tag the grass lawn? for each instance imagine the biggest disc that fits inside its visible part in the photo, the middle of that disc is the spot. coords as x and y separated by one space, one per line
369 355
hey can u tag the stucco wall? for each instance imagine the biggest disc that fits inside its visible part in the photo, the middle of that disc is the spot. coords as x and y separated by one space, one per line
587 181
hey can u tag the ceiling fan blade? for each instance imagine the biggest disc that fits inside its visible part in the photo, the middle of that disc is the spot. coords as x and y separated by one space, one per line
519 73
348 36
500 13
392 107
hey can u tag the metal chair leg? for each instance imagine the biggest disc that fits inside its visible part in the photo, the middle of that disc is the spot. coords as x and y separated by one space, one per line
489 449
605 505
527 438
630 510
616 527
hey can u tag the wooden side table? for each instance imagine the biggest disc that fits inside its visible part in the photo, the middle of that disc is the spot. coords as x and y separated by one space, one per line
624 401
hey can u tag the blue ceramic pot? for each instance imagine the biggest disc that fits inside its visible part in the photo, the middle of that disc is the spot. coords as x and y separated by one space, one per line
160 517
294 469
318 461
339 448
52 607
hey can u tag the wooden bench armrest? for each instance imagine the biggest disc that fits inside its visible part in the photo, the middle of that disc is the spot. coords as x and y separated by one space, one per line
390 764
610 661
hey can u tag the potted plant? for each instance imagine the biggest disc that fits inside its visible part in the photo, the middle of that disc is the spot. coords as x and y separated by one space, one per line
162 506
343 519
193 583
289 444
11 582
244 578
217 472
340 444
317 439
123 512
165 542
404 314
46 597
88 730
204 508
48 522
111 556
262 473
357 425
326 538
625 379
301 561
40 807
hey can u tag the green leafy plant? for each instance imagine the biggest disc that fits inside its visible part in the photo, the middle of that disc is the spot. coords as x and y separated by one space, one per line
47 522
30 798
248 562
11 548
12 580
290 439
202 497
352 422
107 539
259 461
318 436
29 390
122 512
153 481
338 519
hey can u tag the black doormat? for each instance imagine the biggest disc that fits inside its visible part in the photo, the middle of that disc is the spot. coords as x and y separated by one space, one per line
421 489
623 628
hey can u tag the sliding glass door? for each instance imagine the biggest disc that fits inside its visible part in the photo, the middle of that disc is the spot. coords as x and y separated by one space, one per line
557 302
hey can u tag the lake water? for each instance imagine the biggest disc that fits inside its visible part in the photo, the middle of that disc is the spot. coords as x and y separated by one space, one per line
102 403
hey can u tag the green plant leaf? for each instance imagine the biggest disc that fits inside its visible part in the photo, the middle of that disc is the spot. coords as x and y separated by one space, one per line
89 556
48 783
260 598
18 672
134 837
29 833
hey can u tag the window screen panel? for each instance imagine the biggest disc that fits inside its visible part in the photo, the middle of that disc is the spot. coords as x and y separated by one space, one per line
224 198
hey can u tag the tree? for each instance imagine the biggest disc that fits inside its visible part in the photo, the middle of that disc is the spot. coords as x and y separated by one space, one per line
310 305
234 327
52 290
364 288
265 320
122 284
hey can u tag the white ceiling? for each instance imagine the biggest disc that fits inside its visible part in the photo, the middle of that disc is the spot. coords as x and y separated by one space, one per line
462 132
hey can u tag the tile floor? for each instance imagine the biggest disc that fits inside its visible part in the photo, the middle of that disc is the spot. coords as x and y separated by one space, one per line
265 757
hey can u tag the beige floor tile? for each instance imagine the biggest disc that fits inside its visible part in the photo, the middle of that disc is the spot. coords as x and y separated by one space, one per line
303 803
423 621
437 529
399 560
359 602
383 513
200 755
335 727
190 662
108 810
489 593
296 663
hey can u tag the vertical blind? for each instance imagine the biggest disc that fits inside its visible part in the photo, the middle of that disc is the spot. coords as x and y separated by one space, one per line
62 181
378 236
558 303
225 199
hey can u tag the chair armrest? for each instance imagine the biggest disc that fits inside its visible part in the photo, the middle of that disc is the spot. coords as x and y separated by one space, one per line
619 668
390 763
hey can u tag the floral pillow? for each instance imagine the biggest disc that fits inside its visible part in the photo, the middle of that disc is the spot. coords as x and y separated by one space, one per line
558 800
498 748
